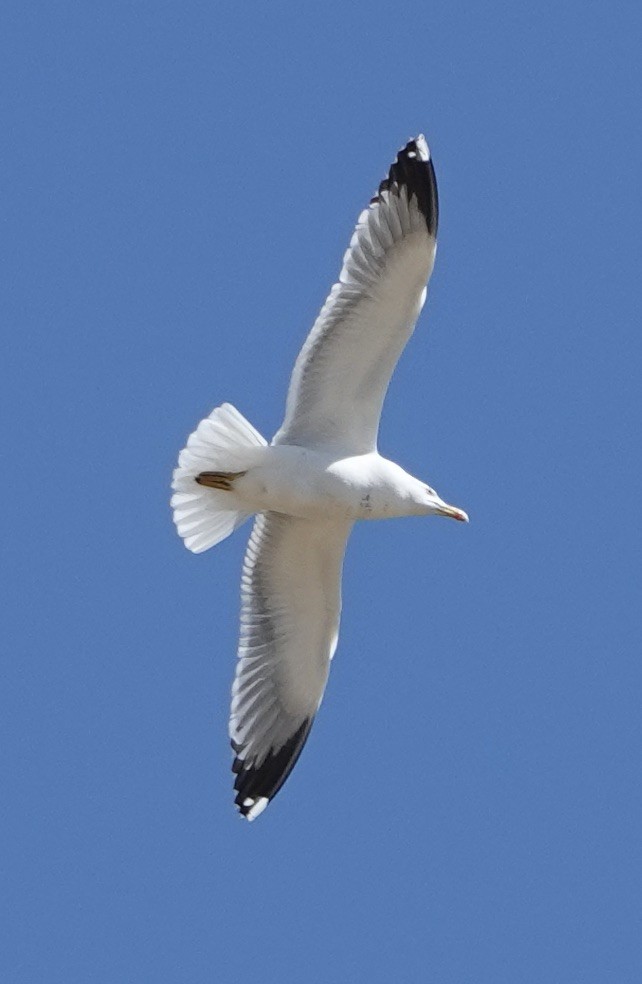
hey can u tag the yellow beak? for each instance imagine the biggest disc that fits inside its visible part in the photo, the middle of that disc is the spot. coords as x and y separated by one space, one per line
452 512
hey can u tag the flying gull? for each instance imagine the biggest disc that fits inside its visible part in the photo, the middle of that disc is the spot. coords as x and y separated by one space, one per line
321 472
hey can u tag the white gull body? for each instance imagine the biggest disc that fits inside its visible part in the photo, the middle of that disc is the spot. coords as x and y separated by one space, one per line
320 474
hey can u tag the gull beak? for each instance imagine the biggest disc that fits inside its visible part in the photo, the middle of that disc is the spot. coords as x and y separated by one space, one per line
452 512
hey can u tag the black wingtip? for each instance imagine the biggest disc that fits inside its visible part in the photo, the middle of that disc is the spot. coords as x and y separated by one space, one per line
256 786
413 169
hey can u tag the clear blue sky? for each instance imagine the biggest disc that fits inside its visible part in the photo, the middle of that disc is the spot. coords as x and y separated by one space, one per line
182 181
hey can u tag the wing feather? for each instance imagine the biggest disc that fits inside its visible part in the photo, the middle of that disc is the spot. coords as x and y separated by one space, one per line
343 370
290 608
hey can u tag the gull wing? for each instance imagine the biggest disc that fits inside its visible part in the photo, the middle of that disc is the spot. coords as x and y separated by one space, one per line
342 373
290 608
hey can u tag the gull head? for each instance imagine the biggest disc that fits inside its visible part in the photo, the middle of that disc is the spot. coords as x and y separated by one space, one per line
434 505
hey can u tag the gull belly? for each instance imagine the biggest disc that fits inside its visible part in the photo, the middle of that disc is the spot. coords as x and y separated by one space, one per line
310 484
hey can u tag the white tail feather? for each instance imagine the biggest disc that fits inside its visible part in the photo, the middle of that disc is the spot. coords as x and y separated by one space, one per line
205 516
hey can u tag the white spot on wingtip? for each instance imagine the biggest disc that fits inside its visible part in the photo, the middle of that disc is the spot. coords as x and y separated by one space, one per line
256 806
422 147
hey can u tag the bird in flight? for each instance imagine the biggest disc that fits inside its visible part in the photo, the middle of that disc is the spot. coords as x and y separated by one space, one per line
320 474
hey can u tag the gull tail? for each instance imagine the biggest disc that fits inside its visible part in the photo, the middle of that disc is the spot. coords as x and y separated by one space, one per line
224 443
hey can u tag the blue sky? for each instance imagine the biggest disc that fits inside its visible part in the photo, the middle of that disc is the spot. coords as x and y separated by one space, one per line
180 183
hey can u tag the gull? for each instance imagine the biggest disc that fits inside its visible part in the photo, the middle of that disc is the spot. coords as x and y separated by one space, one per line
320 474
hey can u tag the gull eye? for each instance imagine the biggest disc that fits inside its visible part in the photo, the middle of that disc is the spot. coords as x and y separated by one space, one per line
430 491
